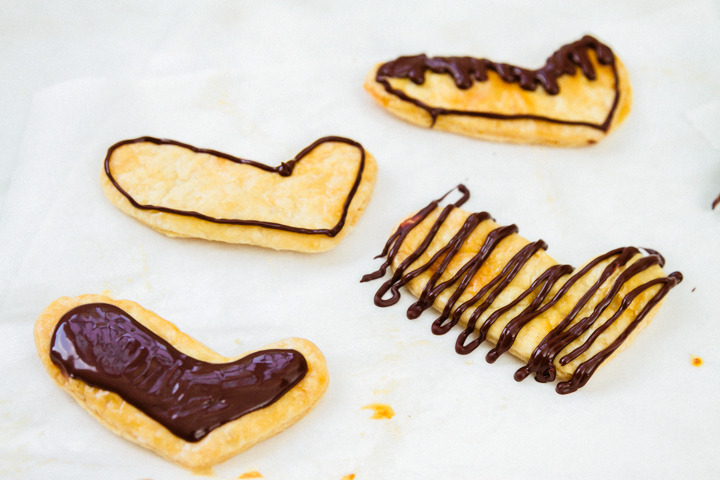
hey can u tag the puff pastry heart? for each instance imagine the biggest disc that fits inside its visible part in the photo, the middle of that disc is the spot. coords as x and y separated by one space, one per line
563 322
307 204
166 391
579 96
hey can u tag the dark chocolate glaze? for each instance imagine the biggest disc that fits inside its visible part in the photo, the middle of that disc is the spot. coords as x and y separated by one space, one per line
716 202
104 347
543 357
467 70
285 169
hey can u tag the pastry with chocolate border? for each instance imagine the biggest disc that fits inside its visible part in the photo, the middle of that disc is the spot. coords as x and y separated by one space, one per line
562 322
148 382
307 204
579 96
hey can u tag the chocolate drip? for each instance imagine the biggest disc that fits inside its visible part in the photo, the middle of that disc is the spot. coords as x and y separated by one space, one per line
543 357
285 169
467 70
104 347
716 202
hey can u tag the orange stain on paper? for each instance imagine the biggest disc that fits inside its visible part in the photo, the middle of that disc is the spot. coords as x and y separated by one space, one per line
349 477
251 474
382 410
696 361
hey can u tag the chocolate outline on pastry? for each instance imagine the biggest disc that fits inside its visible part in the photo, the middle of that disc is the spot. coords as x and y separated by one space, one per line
285 169
562 62
541 361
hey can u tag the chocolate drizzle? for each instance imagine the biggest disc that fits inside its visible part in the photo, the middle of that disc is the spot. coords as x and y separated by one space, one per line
467 70
104 347
285 169
542 359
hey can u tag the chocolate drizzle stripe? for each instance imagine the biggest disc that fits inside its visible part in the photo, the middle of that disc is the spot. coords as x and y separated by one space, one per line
495 287
543 357
285 169
106 348
439 326
546 281
393 245
431 291
466 70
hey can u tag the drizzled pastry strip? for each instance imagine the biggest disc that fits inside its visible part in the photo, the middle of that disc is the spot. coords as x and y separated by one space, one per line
563 322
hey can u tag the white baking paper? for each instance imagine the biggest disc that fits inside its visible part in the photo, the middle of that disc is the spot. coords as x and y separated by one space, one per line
264 80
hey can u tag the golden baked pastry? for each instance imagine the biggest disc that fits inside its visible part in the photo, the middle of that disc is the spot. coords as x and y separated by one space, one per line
166 391
307 204
579 96
563 322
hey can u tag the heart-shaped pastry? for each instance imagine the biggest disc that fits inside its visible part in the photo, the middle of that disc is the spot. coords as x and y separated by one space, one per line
150 383
563 322
307 204
576 98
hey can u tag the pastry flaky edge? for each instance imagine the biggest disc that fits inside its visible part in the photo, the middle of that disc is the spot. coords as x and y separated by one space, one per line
130 423
175 225
503 98
532 334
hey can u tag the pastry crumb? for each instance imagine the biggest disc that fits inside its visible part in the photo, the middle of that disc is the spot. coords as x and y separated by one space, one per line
381 410
251 474
696 361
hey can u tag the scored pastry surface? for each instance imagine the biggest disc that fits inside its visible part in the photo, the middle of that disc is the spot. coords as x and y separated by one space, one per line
576 99
131 423
521 300
307 204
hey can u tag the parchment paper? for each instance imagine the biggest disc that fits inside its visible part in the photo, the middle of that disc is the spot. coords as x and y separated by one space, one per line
262 81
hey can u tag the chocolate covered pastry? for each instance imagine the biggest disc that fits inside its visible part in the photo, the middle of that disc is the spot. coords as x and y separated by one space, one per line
307 204
148 382
563 322
579 96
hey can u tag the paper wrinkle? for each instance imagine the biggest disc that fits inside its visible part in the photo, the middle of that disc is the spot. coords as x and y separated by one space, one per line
37 180
706 120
